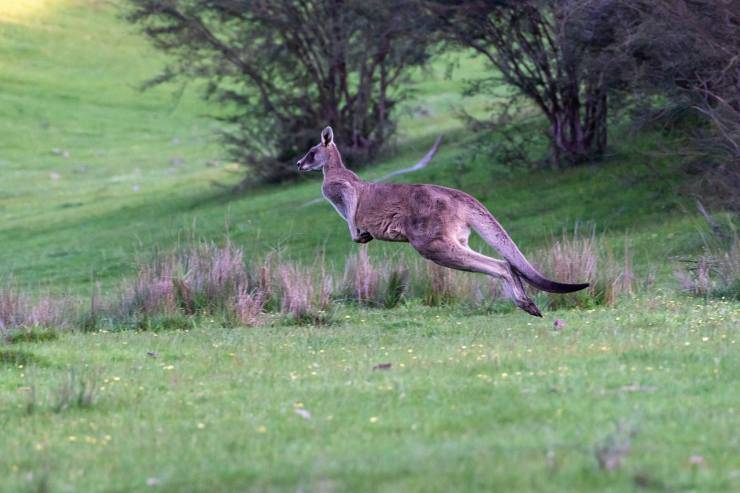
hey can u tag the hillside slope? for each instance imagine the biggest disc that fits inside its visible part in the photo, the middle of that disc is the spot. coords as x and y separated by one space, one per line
96 172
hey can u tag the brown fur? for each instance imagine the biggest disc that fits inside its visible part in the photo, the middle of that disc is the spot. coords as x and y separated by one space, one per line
435 220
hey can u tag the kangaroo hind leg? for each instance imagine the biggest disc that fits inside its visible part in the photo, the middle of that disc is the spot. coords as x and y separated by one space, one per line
449 253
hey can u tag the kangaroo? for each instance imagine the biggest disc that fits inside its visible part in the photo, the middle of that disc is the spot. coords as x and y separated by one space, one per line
435 220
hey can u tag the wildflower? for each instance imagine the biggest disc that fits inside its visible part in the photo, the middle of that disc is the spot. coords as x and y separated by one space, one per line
262 429
200 426
696 460
374 419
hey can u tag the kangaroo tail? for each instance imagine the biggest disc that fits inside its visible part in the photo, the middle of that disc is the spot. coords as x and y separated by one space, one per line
495 235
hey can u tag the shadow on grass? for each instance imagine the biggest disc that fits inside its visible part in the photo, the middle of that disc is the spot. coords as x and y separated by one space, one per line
32 335
15 357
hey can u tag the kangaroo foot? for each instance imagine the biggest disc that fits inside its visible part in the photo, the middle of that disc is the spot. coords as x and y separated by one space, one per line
528 306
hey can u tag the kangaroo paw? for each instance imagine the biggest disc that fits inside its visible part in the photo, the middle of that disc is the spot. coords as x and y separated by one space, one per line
363 237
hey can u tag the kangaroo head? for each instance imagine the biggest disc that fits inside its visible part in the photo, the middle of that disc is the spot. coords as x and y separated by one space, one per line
320 154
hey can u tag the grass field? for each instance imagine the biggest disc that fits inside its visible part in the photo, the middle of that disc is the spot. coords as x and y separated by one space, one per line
96 174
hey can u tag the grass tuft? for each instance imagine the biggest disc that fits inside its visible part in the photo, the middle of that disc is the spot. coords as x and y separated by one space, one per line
249 307
716 272
305 292
362 278
75 392
15 357
19 311
577 259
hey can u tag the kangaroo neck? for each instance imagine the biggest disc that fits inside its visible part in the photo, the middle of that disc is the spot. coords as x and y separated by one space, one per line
335 167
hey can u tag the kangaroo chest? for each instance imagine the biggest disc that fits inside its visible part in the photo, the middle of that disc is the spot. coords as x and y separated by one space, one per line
335 193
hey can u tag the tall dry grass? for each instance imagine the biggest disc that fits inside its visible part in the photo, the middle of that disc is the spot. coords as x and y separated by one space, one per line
372 283
576 259
716 272
213 276
204 279
362 278
435 285
386 282
249 307
306 292
20 311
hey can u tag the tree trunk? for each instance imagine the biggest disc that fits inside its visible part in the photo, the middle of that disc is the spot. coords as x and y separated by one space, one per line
578 131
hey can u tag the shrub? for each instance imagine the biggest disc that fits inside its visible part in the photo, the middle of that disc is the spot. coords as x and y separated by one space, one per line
436 284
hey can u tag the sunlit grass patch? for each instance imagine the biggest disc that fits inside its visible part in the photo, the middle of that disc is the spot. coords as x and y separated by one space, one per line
27 11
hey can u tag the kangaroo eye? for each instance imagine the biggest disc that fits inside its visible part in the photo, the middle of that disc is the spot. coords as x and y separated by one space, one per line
311 155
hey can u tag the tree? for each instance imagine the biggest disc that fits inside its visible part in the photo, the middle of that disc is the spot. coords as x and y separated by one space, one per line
282 70
531 46
684 54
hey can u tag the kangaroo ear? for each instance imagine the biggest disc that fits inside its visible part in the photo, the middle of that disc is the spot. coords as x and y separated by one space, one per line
327 136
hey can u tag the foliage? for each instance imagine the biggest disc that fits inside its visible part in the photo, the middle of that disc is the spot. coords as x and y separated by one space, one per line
283 70
680 56
530 45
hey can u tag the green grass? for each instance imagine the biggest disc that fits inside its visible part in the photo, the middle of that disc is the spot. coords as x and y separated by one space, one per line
486 403
137 178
